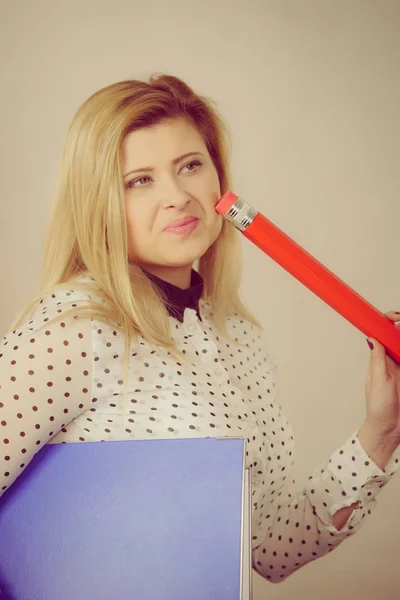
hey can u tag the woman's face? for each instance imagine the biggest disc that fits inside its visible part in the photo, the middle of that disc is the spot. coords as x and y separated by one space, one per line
169 189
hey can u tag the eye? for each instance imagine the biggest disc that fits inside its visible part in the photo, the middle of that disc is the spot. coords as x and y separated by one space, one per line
131 184
194 162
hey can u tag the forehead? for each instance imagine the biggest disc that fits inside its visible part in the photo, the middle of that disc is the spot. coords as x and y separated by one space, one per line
163 141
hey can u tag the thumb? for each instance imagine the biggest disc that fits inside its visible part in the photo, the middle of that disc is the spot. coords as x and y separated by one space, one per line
377 357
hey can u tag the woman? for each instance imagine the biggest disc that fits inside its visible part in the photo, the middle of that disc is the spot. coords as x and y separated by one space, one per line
126 340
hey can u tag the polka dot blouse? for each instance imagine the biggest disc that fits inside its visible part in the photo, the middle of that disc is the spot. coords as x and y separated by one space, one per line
62 382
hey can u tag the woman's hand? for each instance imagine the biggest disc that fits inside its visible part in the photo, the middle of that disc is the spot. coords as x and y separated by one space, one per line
380 433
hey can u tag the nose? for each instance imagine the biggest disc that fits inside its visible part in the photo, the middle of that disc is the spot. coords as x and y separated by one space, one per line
174 195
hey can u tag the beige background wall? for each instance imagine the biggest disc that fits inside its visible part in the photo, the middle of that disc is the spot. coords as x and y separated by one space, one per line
311 91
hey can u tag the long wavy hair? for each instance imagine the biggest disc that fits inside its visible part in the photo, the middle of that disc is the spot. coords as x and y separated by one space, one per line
87 230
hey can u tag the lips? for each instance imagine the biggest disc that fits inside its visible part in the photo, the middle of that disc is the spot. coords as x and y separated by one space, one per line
180 222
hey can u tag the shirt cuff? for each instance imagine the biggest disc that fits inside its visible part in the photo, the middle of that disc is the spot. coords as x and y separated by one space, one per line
360 478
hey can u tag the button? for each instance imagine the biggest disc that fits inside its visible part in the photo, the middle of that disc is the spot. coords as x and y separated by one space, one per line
373 483
378 480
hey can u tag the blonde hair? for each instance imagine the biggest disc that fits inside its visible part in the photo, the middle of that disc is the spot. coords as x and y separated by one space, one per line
87 226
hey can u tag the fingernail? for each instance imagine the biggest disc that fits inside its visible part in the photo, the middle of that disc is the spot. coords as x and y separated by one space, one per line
370 344
397 312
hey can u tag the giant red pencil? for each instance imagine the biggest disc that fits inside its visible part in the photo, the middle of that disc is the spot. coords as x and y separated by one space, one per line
310 272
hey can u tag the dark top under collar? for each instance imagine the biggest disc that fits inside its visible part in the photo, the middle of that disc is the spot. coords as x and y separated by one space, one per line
179 299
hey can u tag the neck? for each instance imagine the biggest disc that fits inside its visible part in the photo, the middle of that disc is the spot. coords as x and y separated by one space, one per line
178 276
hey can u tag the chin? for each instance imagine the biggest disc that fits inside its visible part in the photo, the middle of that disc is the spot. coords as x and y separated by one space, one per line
192 252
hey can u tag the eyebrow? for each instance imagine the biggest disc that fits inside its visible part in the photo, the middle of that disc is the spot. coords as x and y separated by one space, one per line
174 162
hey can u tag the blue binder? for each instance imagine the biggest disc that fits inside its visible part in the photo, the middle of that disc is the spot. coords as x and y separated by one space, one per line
137 519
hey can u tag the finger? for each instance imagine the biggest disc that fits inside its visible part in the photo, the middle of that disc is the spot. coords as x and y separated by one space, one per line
393 365
377 360
393 315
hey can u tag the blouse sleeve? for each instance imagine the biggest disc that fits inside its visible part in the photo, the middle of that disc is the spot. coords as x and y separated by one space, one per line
45 381
301 530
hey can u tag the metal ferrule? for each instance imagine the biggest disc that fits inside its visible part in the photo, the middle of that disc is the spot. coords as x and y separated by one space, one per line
241 214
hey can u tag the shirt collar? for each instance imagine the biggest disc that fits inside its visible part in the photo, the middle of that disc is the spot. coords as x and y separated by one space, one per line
179 299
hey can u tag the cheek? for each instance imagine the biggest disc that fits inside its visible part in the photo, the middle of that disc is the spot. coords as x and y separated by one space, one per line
216 227
130 225
137 219
136 225
219 226
212 213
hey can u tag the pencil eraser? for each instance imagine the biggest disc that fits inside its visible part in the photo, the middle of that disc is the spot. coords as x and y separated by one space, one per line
226 201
